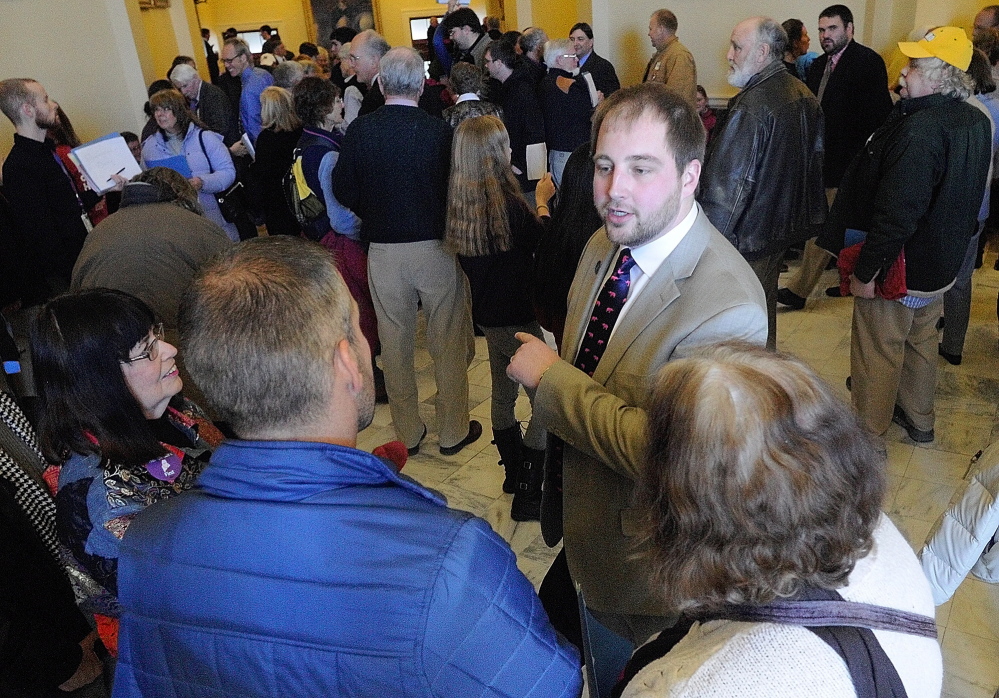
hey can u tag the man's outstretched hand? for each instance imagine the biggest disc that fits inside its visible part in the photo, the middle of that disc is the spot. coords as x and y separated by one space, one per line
532 359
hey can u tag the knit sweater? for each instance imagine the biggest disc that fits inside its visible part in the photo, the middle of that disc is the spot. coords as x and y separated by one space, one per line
727 658
393 171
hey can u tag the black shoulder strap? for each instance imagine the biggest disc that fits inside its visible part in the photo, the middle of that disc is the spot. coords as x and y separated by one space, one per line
201 140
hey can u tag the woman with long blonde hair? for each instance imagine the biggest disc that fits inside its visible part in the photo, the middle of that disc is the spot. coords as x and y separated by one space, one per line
275 148
494 233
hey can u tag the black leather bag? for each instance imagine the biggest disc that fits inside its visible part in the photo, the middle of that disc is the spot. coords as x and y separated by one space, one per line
233 202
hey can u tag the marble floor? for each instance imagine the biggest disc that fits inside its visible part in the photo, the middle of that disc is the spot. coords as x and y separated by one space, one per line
923 478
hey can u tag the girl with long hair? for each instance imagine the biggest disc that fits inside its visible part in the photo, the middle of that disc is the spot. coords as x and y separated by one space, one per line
494 234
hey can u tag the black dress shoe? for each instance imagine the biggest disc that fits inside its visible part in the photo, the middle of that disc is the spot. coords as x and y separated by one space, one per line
920 436
834 292
474 432
416 449
790 299
953 359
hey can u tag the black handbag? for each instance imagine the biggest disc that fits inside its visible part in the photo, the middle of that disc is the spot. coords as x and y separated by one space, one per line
233 203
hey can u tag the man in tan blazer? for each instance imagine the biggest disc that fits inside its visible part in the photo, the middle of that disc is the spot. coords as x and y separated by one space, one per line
688 287
673 64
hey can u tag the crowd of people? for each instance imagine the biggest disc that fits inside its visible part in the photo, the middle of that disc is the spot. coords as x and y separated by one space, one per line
202 522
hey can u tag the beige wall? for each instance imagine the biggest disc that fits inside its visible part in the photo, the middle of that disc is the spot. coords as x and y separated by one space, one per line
621 32
162 40
620 29
85 54
556 17
289 16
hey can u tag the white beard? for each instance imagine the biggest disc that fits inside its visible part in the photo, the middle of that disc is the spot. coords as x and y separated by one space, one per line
737 77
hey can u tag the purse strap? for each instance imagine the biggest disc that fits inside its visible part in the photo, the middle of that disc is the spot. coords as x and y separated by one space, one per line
847 627
201 140
830 613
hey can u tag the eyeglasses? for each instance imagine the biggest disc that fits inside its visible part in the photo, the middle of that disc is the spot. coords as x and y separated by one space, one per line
227 61
568 55
152 349
351 57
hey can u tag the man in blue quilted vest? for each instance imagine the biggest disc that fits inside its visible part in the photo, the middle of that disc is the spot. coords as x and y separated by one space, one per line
299 565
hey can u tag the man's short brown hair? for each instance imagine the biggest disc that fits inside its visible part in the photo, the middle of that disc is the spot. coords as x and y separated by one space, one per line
684 130
665 19
260 327
14 94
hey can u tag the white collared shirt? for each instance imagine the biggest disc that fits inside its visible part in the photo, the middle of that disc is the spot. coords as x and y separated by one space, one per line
649 257
467 97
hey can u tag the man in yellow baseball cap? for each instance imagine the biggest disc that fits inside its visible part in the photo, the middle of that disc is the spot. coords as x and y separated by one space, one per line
949 44
912 195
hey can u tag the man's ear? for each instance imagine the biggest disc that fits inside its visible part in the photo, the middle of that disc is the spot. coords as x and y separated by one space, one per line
346 367
691 176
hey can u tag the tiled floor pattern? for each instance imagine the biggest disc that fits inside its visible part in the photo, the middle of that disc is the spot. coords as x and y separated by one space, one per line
923 478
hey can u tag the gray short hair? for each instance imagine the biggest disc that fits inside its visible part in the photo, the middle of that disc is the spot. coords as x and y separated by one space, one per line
531 39
288 74
771 34
183 74
260 327
371 42
555 48
953 81
400 73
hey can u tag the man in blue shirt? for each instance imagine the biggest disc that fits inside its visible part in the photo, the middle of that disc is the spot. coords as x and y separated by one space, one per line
238 60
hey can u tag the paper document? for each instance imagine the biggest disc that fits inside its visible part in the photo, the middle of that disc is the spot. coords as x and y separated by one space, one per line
107 156
537 160
249 145
177 163
594 98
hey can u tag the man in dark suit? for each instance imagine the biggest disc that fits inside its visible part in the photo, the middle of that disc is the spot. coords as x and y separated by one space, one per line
851 82
209 102
211 55
674 284
604 75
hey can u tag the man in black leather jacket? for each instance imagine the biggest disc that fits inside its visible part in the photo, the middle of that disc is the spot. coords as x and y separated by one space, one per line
762 180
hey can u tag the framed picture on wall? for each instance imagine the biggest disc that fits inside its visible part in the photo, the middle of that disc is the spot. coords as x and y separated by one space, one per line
331 14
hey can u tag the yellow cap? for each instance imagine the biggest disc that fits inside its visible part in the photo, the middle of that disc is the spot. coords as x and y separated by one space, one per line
949 44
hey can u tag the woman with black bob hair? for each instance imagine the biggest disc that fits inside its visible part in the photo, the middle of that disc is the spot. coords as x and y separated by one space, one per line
112 415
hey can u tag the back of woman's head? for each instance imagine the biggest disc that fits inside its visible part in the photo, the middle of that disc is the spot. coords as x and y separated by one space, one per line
758 479
63 133
481 184
315 98
78 342
277 110
575 216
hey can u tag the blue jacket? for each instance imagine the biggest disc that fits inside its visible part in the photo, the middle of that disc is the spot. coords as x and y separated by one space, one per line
306 569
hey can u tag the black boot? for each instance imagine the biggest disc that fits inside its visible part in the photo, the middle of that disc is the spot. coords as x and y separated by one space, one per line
527 498
510 445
